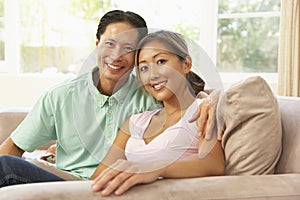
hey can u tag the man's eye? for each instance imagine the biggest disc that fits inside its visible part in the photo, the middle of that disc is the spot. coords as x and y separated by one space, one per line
143 68
128 49
109 44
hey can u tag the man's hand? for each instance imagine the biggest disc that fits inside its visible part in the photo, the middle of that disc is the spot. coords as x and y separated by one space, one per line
52 149
50 155
206 116
123 175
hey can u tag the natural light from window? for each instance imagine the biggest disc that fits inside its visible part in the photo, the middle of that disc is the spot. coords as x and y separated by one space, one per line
55 37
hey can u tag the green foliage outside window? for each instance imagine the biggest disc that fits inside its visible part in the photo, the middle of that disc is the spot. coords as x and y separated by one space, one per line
248 44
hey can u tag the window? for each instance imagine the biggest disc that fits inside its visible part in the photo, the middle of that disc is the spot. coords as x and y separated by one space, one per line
57 36
248 35
8 31
2 54
38 36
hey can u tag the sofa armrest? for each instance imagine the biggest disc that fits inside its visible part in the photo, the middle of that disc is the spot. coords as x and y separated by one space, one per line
9 121
284 186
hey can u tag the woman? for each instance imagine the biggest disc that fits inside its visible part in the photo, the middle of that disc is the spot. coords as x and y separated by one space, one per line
149 143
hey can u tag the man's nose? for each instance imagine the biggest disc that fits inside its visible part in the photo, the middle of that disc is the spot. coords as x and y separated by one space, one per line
117 53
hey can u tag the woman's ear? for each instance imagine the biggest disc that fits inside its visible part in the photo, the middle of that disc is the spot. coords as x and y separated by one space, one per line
97 42
187 64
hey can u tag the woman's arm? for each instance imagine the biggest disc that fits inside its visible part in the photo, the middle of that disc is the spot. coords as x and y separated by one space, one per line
124 175
212 164
116 151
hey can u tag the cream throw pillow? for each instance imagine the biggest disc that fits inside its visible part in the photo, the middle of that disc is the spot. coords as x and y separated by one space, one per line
252 131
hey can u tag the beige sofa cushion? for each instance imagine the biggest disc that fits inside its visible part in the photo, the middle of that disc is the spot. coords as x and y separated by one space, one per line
290 119
252 135
262 187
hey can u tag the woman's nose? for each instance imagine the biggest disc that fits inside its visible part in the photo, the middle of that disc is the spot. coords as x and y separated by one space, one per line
154 72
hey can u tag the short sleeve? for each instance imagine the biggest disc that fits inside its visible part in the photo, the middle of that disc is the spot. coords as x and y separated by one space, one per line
38 127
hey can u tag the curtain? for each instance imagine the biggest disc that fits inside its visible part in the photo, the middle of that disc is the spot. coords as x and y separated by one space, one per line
289 49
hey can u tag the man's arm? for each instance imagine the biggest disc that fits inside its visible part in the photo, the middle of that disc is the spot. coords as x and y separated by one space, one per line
205 115
8 147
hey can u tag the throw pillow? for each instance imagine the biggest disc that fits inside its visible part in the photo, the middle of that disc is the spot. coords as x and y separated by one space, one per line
250 115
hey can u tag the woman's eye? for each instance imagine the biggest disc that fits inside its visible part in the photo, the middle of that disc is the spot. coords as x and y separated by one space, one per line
161 61
144 68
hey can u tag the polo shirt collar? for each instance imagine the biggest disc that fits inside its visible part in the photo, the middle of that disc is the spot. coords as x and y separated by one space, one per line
119 96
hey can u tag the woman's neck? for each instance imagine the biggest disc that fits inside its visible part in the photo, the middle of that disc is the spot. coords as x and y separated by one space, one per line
178 102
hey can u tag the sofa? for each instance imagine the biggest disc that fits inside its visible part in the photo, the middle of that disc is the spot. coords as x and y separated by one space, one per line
284 183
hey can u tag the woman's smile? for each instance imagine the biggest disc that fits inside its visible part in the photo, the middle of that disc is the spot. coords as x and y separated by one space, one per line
158 85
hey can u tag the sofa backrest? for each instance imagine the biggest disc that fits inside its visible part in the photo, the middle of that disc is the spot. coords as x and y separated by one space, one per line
290 120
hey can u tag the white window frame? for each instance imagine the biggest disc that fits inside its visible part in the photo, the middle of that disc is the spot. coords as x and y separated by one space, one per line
11 62
229 78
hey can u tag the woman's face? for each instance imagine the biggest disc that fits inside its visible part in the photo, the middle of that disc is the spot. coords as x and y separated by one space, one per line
161 72
116 51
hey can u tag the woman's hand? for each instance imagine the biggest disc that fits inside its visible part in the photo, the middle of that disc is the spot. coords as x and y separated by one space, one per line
123 175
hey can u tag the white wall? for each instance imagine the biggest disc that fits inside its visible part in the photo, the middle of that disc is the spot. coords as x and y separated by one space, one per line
23 90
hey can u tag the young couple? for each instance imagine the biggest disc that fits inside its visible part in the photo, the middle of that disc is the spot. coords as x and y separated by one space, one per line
85 114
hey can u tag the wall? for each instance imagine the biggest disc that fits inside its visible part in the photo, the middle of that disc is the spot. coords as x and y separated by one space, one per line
21 91
24 89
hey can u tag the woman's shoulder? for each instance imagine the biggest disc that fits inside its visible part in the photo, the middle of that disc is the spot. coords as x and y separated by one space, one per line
142 118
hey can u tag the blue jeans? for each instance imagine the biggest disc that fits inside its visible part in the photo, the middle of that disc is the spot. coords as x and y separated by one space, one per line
15 170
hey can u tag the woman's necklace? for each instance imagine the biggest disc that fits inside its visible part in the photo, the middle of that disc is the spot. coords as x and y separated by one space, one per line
171 118
156 126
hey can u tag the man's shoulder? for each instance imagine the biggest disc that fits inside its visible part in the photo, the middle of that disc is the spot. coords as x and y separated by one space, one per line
68 85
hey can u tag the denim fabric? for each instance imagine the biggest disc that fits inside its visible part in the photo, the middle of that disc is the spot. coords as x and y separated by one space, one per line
15 170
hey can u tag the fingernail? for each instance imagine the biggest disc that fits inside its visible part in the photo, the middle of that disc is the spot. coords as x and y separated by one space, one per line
104 193
208 137
200 133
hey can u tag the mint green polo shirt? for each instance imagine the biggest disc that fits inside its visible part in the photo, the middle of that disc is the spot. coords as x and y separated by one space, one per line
82 121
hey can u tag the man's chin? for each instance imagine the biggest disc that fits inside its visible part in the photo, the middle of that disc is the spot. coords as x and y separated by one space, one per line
116 76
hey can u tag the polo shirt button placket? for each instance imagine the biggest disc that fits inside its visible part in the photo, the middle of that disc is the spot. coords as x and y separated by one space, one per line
110 113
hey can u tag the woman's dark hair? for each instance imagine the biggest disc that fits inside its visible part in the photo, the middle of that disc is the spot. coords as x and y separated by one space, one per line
176 44
116 16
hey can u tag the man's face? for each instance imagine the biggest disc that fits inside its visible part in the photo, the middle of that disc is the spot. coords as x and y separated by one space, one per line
116 51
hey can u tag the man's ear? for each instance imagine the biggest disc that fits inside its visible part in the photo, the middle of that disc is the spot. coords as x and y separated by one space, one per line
97 42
